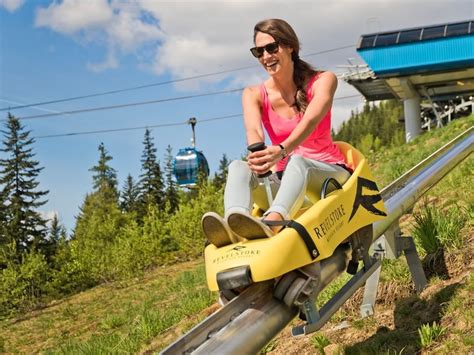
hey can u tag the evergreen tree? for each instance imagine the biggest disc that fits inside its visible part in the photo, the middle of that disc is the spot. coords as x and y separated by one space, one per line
56 237
151 180
4 247
3 215
220 177
129 195
171 193
23 227
56 229
105 177
97 228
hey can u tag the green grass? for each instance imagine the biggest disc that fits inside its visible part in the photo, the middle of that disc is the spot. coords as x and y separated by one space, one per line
319 341
390 163
429 333
395 270
110 320
436 228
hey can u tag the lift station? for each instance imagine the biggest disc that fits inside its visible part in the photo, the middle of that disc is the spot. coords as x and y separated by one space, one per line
433 63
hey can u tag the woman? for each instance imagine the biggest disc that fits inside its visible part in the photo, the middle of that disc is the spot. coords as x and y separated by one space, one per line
294 107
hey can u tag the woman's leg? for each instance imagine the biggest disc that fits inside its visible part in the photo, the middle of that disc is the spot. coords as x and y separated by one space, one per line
241 188
302 177
237 198
238 188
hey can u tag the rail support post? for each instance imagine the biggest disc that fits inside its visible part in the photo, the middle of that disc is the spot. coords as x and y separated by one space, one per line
391 245
372 283
395 244
390 242
414 263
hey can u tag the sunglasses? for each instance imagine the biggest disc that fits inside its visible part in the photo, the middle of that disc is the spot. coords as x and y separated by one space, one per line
271 48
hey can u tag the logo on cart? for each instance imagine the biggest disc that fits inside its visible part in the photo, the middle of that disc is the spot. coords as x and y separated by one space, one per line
237 248
331 224
237 252
366 201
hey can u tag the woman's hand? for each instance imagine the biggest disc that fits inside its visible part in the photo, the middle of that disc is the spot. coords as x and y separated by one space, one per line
263 160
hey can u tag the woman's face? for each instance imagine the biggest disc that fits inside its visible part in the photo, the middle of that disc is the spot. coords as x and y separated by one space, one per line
273 62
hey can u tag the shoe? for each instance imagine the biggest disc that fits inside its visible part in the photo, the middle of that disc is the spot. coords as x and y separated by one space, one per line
248 227
216 230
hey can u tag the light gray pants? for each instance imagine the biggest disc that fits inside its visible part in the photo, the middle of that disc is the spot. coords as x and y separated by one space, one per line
302 177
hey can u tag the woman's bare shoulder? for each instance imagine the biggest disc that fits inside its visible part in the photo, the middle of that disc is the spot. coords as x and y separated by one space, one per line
252 92
324 79
252 89
327 75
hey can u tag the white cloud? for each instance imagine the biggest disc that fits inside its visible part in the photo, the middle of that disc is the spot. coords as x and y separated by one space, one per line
11 5
129 29
72 16
120 26
196 37
184 57
206 36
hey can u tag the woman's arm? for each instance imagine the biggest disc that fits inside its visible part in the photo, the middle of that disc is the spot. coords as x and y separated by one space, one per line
253 127
323 94
323 90
252 115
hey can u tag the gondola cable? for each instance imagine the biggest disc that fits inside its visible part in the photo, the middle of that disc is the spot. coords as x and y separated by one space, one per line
110 130
103 108
200 76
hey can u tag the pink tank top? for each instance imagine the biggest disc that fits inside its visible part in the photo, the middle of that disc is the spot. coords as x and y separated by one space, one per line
318 146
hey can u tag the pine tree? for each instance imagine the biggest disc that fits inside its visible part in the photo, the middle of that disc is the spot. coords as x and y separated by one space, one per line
23 227
56 237
171 193
105 177
97 228
151 181
220 177
129 195
56 229
4 249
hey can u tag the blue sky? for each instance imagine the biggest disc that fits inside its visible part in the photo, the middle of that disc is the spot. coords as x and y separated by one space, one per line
59 49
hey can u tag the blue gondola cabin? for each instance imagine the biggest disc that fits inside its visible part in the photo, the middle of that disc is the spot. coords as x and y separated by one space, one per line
187 165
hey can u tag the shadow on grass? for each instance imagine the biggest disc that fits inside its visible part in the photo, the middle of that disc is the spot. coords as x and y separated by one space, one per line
409 314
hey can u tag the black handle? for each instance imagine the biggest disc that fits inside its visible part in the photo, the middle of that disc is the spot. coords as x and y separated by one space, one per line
324 188
255 148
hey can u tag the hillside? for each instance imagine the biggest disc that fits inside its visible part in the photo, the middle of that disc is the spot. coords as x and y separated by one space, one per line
145 314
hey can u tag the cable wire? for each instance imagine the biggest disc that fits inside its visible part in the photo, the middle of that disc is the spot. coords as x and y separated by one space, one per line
158 83
158 125
135 128
140 103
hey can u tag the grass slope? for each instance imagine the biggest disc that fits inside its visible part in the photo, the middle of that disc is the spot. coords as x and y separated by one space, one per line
114 318
144 315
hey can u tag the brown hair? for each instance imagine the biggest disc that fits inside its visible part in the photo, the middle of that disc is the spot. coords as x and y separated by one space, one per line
284 34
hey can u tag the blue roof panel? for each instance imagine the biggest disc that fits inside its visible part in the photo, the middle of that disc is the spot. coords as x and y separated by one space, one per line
418 57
